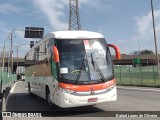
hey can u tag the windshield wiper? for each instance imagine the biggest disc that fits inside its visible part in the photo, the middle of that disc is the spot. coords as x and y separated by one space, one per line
80 70
96 68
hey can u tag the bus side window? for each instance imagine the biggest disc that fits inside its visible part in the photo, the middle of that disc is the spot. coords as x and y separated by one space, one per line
36 54
51 41
49 48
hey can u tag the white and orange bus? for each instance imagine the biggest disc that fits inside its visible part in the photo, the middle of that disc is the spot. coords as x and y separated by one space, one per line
71 68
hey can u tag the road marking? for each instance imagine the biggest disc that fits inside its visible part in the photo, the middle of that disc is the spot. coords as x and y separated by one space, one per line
11 91
139 89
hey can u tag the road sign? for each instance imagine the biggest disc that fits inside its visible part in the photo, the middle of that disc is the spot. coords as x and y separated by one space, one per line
34 32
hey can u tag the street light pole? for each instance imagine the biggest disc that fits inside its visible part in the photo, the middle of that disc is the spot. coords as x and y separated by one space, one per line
3 59
155 40
17 58
7 39
11 52
4 45
139 42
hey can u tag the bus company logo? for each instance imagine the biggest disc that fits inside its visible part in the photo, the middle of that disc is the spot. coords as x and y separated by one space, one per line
108 84
91 88
6 114
69 86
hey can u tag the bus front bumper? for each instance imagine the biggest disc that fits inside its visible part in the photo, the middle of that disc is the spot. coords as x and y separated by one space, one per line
87 98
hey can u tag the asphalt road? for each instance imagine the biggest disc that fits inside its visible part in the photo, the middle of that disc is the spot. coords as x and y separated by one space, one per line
129 99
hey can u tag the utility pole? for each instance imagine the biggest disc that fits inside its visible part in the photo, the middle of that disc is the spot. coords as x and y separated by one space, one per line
17 48
11 52
74 19
17 59
139 42
155 40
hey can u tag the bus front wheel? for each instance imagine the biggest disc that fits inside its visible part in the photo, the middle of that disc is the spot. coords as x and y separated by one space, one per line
29 90
48 97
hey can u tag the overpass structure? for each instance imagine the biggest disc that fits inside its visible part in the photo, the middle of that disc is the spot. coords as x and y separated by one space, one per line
19 62
144 59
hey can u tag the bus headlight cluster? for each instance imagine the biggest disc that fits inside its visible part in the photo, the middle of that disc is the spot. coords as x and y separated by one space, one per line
67 91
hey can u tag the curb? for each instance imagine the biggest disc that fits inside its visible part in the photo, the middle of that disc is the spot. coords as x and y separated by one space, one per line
4 98
5 95
146 89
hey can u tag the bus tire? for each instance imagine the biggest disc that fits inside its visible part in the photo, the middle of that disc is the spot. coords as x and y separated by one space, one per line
29 90
48 98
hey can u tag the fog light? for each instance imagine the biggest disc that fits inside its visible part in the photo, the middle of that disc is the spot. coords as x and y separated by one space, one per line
68 101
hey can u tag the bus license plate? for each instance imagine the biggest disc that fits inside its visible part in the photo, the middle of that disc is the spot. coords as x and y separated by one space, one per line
92 99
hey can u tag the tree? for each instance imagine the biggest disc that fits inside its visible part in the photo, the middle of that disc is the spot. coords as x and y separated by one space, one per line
147 52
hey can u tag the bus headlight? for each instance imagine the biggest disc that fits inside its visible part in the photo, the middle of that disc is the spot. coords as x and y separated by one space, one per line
66 91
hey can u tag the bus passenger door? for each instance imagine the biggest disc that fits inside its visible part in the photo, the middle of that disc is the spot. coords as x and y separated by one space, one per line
54 70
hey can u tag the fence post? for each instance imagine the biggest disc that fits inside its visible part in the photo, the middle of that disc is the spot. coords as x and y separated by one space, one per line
154 76
6 77
130 74
141 74
120 75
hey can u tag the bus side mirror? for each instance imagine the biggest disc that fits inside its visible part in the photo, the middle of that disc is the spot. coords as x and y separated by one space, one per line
117 51
56 54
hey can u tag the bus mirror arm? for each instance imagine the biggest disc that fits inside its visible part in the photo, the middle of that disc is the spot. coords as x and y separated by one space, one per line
56 54
117 51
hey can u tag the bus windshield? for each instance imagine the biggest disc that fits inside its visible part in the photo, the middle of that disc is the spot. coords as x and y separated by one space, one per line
84 61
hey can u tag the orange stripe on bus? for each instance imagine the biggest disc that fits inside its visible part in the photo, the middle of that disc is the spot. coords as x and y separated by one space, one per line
83 88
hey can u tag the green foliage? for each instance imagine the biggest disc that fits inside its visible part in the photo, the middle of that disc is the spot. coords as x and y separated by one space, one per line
147 52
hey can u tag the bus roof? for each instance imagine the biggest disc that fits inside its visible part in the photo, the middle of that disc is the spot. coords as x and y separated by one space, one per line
74 34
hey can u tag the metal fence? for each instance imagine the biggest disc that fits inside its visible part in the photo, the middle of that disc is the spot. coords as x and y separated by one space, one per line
137 76
7 77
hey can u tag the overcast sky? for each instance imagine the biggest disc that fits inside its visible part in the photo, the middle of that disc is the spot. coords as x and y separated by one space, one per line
122 22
